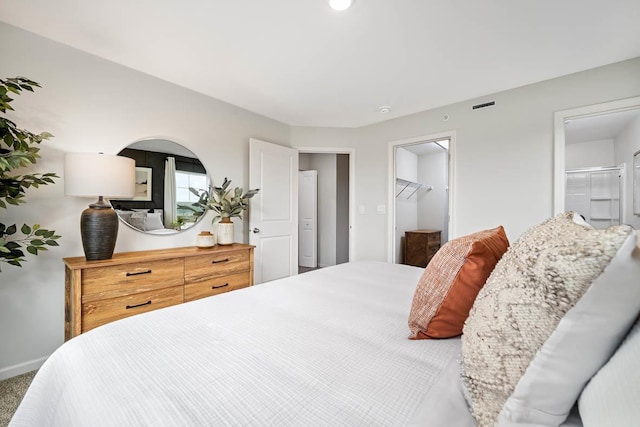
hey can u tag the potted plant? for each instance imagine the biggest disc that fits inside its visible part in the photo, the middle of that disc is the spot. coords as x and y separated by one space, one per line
19 149
178 223
226 203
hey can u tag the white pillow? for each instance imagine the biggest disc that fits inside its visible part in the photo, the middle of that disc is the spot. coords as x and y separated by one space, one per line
153 221
612 396
137 220
125 215
579 219
563 291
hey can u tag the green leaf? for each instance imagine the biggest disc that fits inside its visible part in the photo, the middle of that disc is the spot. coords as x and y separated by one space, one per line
37 242
25 229
32 250
52 243
11 230
12 245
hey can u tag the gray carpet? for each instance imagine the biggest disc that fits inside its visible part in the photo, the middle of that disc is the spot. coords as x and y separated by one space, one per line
11 392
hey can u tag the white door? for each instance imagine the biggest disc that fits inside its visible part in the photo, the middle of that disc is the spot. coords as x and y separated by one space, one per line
308 219
273 223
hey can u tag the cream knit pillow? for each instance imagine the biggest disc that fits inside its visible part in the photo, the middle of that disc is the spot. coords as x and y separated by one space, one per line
540 278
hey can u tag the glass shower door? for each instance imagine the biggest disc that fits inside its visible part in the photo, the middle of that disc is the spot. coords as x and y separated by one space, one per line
596 194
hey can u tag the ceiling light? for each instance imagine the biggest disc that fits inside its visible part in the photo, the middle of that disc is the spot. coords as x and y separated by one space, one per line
340 4
384 109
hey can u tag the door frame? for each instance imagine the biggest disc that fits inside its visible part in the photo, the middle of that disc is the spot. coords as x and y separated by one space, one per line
391 224
352 187
559 149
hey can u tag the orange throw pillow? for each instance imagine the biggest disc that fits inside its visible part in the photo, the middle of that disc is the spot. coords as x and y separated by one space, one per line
450 283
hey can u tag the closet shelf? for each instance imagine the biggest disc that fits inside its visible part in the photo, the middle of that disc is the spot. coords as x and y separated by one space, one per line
409 188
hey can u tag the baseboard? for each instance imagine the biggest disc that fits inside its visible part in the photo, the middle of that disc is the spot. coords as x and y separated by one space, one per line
21 368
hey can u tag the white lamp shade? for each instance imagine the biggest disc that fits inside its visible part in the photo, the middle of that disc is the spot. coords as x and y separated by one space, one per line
93 175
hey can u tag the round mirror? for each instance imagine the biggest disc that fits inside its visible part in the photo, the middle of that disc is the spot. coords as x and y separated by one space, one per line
163 202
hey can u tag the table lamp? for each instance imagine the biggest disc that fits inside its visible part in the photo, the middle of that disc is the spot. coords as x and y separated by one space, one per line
99 175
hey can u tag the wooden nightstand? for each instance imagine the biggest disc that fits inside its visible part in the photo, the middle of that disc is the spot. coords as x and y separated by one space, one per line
99 292
420 246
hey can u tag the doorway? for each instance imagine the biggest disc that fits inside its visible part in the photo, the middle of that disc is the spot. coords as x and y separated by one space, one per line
330 236
593 171
420 197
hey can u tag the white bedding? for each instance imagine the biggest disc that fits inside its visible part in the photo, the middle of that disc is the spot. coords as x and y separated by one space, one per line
325 348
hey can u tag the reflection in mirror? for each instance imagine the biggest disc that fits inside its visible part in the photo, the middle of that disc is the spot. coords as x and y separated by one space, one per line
598 160
164 172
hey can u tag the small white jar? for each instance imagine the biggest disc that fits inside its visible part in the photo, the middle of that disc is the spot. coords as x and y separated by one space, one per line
205 239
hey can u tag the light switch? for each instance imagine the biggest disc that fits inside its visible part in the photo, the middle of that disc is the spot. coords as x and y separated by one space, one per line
382 209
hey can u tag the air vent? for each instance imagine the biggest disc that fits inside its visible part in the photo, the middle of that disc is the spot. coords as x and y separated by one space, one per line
486 104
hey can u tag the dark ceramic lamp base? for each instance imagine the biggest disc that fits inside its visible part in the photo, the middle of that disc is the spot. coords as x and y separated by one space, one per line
99 230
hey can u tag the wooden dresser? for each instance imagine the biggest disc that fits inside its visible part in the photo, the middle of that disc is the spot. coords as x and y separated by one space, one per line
99 292
420 246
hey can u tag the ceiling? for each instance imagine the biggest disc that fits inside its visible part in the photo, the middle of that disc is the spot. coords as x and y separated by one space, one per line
304 64
427 148
598 127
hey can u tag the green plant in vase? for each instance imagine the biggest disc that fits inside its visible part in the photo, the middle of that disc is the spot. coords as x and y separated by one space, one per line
226 203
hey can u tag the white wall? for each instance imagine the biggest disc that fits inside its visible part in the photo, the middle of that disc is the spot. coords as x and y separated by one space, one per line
432 205
304 161
590 154
93 105
406 208
628 142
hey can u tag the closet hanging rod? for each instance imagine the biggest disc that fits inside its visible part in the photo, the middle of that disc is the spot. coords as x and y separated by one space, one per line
411 185
595 169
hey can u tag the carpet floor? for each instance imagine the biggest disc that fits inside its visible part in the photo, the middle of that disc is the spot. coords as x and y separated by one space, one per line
12 391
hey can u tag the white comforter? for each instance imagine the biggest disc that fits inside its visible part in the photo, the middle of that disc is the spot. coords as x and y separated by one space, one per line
325 348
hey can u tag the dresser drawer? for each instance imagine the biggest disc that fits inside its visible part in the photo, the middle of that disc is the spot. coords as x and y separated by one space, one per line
433 248
433 237
205 267
120 280
98 313
215 286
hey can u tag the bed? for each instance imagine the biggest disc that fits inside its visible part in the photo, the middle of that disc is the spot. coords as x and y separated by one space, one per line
328 347
543 343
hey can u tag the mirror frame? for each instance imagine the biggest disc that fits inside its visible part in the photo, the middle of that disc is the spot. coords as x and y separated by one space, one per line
182 147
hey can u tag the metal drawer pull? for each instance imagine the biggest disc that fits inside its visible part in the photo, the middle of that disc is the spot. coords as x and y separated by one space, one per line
138 305
222 260
221 286
140 272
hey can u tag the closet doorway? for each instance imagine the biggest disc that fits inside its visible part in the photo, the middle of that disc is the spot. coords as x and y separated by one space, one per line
420 197
325 232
